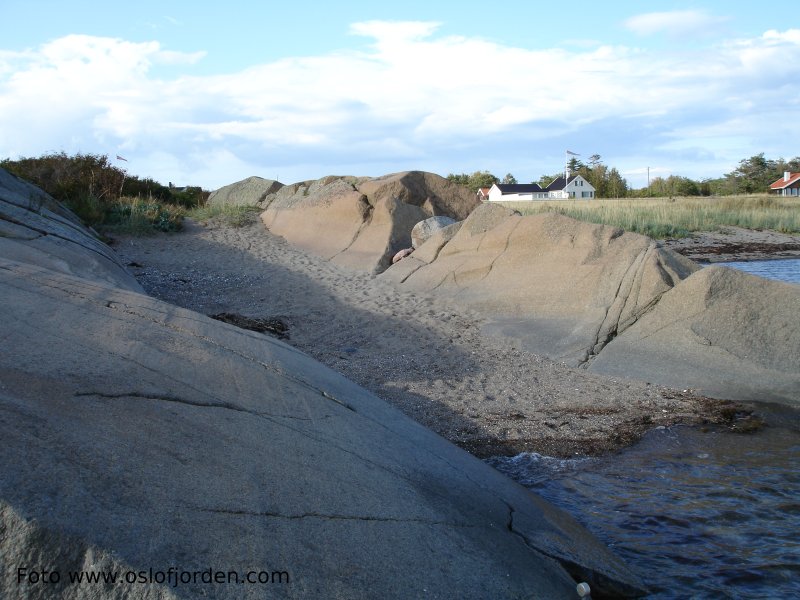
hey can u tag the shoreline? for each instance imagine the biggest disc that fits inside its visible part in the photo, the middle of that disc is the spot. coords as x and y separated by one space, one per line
734 244
421 354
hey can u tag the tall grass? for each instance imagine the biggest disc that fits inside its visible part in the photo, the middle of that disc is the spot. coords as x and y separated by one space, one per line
142 216
677 217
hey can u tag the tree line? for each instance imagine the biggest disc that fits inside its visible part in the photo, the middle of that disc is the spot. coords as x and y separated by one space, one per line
753 175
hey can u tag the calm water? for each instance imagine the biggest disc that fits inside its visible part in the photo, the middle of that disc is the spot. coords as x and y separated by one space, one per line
783 269
698 515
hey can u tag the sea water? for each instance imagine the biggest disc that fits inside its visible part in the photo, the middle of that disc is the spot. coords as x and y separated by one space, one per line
787 269
697 514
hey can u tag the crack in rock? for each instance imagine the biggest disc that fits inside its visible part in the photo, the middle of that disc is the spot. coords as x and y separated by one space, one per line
329 517
130 310
177 400
604 585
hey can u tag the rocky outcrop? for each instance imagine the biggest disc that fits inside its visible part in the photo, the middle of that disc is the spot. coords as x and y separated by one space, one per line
253 191
363 223
593 296
425 229
721 332
562 287
139 437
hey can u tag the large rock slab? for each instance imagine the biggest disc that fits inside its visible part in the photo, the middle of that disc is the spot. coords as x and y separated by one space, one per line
561 287
253 191
36 229
362 223
721 332
139 436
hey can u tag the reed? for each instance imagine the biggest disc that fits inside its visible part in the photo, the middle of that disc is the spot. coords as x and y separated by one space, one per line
679 216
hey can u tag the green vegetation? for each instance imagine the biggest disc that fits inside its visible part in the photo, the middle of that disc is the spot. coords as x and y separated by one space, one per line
140 217
677 217
478 180
235 216
104 196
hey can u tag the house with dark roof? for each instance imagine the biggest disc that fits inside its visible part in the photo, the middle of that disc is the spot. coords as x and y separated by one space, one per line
788 185
559 189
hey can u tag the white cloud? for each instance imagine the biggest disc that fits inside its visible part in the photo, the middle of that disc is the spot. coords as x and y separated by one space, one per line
407 98
675 23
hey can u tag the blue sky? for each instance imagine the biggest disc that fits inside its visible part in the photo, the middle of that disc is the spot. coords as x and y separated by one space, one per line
209 93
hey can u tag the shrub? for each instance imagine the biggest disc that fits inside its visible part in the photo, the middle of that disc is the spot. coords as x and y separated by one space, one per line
104 196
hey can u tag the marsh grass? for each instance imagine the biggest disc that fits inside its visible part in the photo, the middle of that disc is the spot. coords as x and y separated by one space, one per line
234 216
677 217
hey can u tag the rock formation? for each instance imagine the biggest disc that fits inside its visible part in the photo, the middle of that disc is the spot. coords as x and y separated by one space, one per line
363 223
253 191
425 229
725 333
139 436
36 229
593 296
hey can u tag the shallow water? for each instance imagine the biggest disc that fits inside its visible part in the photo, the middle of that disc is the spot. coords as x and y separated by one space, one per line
697 515
787 269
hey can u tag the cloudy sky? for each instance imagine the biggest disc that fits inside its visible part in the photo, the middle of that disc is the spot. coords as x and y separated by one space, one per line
208 93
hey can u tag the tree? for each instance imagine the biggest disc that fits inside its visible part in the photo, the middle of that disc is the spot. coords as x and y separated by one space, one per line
616 185
509 178
546 180
460 179
755 174
476 181
574 165
482 179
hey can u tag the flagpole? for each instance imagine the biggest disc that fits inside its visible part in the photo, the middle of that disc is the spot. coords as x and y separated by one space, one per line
124 175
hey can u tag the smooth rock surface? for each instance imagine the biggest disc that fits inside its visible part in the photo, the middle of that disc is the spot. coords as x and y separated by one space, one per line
36 229
721 332
139 435
362 223
562 287
253 191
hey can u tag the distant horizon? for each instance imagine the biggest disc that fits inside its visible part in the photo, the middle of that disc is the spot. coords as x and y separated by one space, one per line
200 94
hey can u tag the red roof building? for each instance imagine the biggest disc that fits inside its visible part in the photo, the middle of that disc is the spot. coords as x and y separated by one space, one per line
788 185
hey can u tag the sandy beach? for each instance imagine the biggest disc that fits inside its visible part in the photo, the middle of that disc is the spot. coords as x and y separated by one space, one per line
420 353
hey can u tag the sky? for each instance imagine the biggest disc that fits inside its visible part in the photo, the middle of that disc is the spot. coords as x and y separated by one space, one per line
202 93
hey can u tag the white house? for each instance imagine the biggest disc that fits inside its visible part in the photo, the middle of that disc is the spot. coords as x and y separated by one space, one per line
560 188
